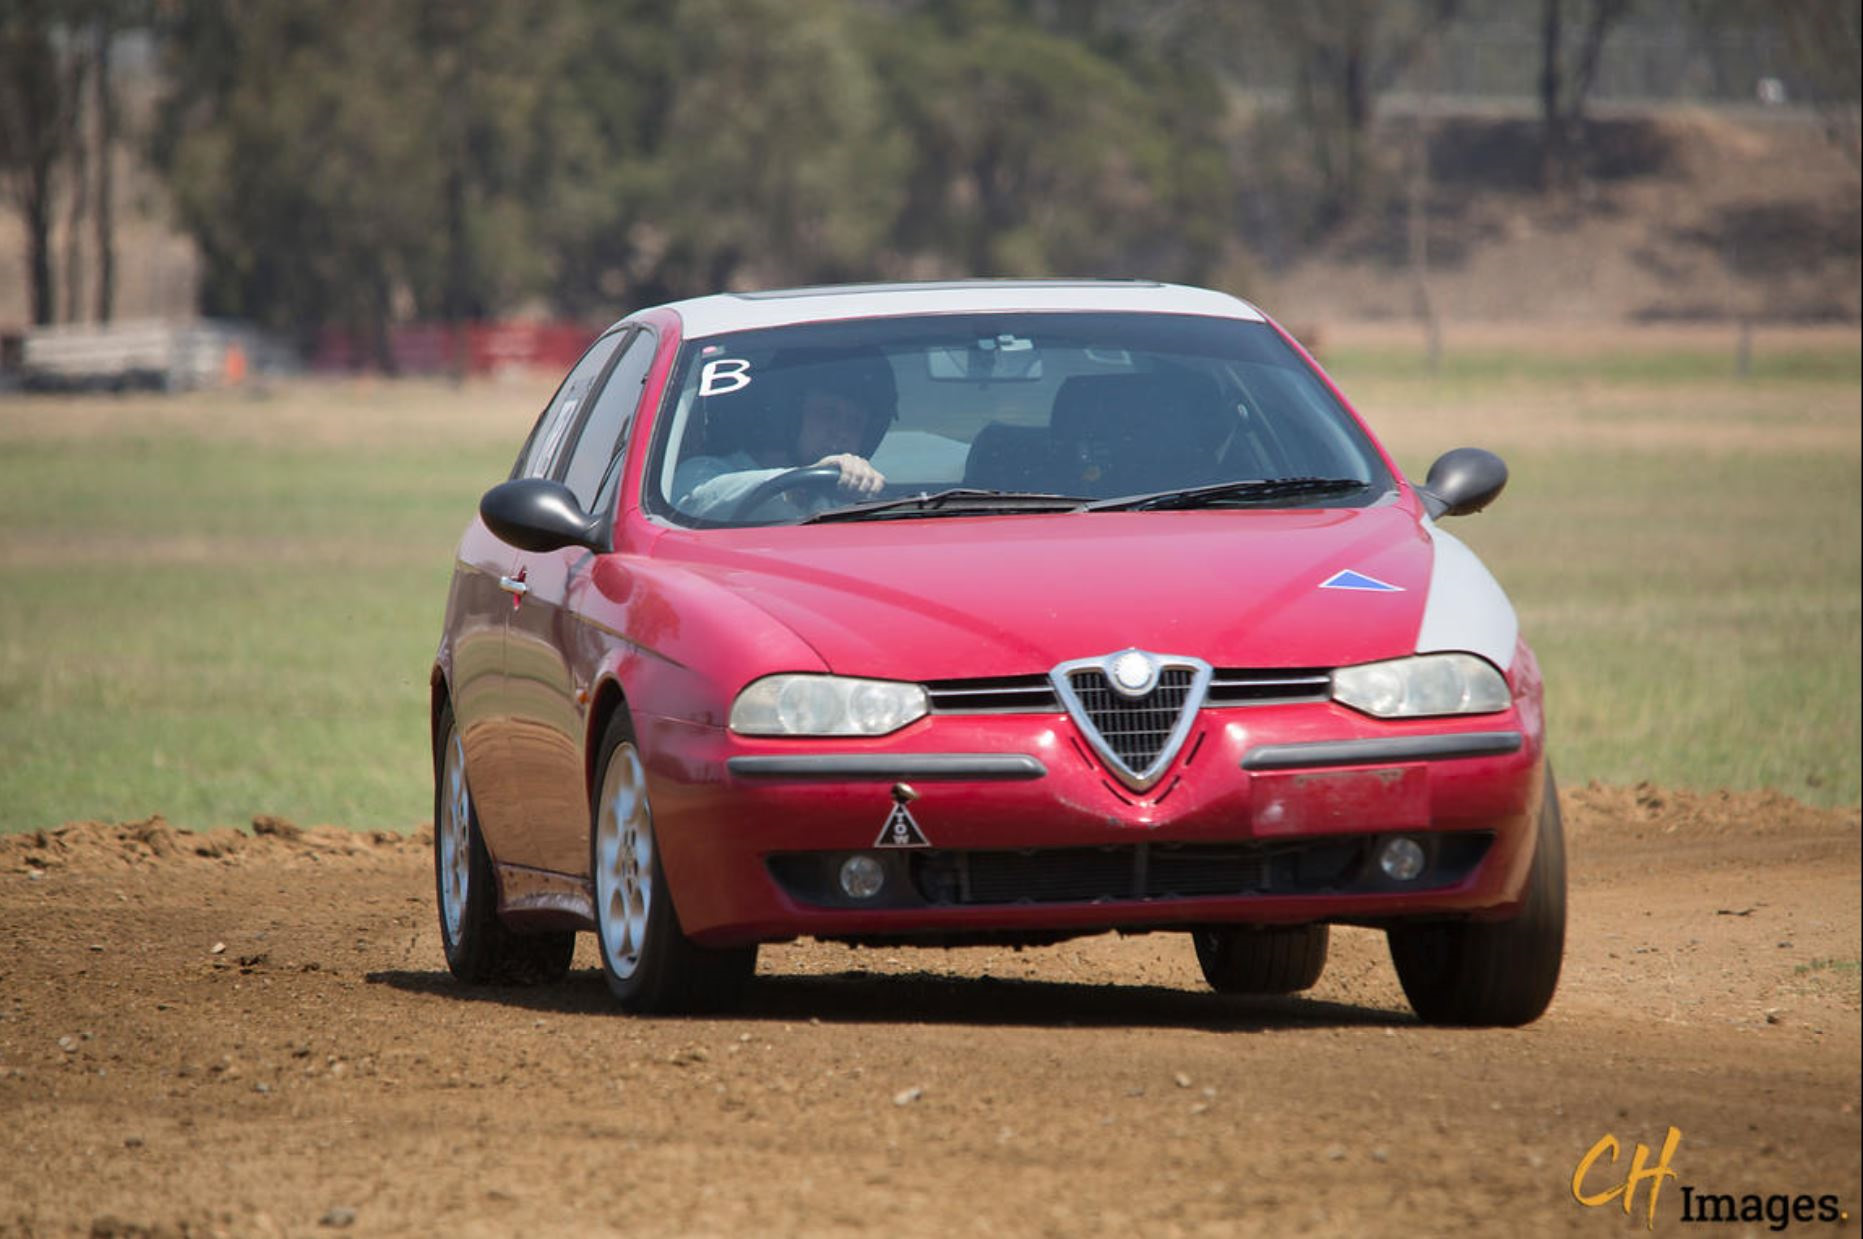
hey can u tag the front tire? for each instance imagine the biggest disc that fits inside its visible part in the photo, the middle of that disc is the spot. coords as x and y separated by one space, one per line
1276 959
650 964
480 948
1500 973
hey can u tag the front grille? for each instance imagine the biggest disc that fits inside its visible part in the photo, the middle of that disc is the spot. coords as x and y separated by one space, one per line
1033 694
1235 686
1093 875
1133 728
1141 872
1058 875
1006 694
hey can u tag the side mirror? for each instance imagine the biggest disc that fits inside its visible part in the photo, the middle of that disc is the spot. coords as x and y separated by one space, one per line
1462 481
536 514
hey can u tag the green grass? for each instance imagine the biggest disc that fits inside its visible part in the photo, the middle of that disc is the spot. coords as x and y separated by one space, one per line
215 610
1463 369
1829 965
1683 550
215 628
1696 616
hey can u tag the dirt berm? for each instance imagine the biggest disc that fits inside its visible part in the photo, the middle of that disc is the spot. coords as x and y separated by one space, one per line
253 1034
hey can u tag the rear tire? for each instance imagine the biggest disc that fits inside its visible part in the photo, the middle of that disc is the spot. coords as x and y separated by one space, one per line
1496 973
650 964
1276 959
480 948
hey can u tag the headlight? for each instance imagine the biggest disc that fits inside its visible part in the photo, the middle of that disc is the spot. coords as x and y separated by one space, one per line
826 705
1424 685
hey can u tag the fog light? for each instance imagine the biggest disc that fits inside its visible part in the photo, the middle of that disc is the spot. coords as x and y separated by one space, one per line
1401 860
862 877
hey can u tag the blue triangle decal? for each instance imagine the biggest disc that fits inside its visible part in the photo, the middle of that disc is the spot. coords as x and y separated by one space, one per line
1359 581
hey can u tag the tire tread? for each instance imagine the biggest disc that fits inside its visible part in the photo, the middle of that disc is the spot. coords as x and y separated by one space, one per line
1499 974
1278 959
489 952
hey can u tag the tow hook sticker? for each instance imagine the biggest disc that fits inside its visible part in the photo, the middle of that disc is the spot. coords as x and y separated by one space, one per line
901 829
1349 579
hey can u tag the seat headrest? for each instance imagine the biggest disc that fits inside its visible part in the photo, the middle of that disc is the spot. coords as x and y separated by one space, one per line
1130 433
1175 404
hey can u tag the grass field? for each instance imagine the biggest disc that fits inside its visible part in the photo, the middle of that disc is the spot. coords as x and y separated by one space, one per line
224 605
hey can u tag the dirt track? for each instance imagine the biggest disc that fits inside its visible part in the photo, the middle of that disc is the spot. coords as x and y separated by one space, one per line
262 1040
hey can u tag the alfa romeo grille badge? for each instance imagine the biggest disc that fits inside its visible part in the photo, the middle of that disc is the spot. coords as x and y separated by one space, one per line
1134 673
1134 708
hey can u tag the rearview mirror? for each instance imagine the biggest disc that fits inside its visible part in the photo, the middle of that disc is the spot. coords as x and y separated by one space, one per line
1462 481
989 359
537 514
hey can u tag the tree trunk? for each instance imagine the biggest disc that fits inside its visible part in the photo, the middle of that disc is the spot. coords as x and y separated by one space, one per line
381 340
1355 94
1418 221
104 219
38 211
34 130
458 145
1564 92
80 194
1553 145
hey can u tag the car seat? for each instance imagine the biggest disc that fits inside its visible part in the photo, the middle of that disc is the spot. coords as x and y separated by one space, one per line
1127 434
1005 457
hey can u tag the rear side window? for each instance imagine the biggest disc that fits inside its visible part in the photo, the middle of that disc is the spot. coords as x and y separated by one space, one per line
546 437
604 430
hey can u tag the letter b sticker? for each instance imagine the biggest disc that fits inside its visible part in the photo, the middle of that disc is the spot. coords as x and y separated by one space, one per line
727 374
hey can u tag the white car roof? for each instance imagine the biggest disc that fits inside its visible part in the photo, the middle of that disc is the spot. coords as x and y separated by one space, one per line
722 313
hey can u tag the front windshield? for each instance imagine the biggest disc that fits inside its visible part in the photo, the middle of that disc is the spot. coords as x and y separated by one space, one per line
1080 406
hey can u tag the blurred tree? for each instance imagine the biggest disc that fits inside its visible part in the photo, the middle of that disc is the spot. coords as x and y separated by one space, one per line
297 148
40 103
105 23
352 162
1822 38
1347 52
491 62
776 165
346 161
77 170
1572 36
1035 153
1339 57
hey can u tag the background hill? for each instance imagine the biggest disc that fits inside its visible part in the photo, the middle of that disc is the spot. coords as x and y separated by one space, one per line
1686 214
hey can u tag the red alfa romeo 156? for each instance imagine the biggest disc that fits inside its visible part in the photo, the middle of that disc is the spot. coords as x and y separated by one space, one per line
984 612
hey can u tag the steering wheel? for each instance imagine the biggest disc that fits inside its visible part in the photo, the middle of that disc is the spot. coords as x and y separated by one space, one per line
810 477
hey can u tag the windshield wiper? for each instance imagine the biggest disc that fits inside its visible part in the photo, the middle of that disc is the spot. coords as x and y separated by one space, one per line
958 501
1231 494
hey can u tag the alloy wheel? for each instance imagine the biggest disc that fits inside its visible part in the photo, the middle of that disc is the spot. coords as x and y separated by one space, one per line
624 861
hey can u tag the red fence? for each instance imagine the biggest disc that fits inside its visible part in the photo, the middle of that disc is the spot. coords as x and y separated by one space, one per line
433 348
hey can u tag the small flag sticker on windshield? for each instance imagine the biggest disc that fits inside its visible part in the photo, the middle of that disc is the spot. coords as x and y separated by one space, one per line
1359 581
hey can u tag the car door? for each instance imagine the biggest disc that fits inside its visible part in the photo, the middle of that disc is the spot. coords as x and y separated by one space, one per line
477 612
499 762
550 654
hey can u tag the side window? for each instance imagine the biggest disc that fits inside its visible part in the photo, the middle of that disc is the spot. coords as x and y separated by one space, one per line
547 436
606 424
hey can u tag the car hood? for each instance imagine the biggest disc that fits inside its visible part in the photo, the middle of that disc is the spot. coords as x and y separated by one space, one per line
957 597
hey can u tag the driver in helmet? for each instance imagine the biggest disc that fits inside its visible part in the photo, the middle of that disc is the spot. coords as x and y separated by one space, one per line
831 413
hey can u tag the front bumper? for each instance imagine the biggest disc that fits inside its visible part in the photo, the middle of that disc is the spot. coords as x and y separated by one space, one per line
1281 795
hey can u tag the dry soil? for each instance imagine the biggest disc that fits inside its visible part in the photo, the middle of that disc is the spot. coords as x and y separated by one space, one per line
254 1034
